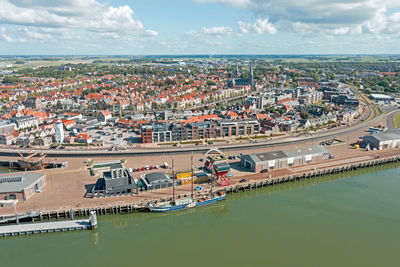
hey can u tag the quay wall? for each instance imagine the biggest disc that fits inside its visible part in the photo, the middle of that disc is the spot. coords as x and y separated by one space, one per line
243 187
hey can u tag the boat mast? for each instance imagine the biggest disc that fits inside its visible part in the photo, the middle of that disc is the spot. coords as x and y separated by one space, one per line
212 179
173 181
192 176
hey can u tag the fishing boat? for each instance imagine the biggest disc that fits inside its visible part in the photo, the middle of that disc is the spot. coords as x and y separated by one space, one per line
190 202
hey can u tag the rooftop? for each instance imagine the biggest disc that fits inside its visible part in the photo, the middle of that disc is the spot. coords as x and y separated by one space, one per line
387 135
307 151
381 96
18 182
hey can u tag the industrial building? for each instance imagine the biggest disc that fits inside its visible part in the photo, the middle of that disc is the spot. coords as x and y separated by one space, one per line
387 139
21 186
382 99
284 159
154 180
117 181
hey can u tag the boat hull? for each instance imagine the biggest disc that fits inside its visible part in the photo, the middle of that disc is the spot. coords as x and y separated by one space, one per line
165 209
210 201
187 206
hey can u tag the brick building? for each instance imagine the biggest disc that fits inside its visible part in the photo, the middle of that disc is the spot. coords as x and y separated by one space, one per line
21 186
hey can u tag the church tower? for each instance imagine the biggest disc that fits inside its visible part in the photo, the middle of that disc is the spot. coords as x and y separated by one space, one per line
251 77
236 73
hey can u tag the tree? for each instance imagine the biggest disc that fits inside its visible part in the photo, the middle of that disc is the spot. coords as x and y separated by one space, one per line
304 114
154 106
11 80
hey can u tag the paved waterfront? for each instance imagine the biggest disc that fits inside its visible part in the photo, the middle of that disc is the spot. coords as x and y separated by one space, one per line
332 221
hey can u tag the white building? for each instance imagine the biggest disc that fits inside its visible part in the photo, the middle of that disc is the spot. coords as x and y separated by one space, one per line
59 127
387 139
25 122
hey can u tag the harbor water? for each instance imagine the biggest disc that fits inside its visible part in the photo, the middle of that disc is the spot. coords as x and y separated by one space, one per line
350 219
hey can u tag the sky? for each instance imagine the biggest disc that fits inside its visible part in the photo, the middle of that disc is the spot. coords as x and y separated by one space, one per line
178 27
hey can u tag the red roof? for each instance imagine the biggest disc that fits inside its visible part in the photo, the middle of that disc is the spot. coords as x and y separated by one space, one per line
106 112
83 136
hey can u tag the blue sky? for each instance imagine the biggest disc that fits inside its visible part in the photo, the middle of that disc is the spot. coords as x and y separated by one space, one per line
140 27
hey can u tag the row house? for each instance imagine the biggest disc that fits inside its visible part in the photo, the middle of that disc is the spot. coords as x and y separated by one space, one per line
238 127
323 119
25 122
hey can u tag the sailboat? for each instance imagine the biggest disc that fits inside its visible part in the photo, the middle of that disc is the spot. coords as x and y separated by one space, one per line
190 202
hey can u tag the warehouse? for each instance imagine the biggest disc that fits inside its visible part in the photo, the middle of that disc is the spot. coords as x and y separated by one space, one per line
284 159
382 99
21 186
387 139
154 180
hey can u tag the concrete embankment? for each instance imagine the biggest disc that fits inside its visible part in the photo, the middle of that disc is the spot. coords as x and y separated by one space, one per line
240 187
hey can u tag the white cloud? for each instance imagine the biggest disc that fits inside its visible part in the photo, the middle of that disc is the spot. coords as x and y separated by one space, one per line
235 3
218 31
4 36
150 33
261 26
205 32
77 15
336 16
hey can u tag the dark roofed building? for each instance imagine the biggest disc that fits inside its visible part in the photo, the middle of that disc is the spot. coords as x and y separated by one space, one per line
155 180
33 103
117 181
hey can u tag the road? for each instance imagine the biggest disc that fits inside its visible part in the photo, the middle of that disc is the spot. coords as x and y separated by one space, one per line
368 122
390 124
197 150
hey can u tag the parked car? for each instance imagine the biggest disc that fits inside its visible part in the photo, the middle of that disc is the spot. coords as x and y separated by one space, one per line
242 181
198 188
264 171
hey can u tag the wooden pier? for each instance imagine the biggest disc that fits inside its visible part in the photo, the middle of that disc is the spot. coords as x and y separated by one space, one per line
49 227
247 186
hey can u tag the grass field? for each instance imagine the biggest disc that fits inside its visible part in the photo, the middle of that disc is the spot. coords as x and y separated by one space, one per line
396 120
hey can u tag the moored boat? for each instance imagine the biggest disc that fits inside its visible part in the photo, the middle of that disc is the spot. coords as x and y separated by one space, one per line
186 203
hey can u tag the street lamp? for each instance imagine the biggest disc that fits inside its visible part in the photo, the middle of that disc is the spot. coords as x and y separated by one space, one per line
16 213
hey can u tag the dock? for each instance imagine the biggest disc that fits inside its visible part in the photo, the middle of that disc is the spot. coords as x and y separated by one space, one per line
49 227
267 181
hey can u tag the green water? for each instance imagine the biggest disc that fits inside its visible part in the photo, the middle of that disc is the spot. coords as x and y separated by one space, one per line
332 221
